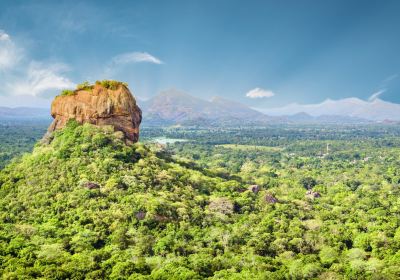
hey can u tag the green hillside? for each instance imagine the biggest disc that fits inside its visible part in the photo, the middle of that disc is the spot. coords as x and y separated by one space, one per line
86 206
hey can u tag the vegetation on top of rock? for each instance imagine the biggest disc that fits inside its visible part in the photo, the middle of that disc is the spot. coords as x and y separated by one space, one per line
111 84
67 92
108 84
84 86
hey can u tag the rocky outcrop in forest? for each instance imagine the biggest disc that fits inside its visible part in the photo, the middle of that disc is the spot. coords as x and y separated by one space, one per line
104 103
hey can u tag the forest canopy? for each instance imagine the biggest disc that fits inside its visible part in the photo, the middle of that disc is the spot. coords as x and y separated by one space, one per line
88 206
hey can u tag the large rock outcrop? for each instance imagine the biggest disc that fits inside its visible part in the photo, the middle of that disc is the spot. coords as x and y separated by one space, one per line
100 105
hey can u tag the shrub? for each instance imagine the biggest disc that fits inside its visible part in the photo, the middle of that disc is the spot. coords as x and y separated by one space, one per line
221 205
328 255
308 182
67 92
84 86
111 84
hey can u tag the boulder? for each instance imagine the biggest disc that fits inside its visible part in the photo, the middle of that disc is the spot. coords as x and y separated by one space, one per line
91 185
140 215
99 104
269 198
254 188
312 194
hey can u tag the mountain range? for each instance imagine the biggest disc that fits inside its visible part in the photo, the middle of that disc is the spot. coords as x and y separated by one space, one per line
173 107
374 110
177 107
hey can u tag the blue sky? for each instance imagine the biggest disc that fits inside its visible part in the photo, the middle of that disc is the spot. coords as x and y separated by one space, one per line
275 52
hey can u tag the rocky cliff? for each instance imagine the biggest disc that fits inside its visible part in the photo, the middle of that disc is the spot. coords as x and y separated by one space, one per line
105 103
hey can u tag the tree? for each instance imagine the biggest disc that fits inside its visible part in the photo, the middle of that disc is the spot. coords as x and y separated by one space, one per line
308 182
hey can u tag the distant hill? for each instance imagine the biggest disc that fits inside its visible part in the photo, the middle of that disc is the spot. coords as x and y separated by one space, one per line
236 109
375 110
304 118
176 107
24 113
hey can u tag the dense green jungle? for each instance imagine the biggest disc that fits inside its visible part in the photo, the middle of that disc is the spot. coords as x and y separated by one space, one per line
276 202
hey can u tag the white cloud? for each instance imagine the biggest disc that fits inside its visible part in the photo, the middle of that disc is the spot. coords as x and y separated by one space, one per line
260 93
4 36
41 78
22 75
376 95
10 54
135 57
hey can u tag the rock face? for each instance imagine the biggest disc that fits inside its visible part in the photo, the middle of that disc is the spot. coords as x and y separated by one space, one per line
254 188
100 106
269 198
312 194
91 185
